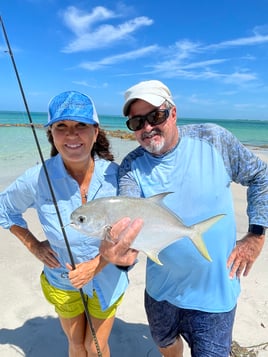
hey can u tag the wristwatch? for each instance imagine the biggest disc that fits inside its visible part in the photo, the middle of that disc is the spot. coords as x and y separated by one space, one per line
256 229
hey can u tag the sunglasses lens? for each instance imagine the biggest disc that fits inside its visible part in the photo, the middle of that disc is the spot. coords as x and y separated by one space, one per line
135 123
155 117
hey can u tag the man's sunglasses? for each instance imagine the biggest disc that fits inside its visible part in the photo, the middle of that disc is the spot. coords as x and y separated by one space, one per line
155 117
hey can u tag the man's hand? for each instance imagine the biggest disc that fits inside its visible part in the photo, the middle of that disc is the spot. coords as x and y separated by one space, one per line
117 251
244 254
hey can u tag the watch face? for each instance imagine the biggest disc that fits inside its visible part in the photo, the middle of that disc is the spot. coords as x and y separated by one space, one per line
256 229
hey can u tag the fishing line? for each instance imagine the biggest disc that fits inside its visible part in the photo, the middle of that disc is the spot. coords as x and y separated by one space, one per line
50 187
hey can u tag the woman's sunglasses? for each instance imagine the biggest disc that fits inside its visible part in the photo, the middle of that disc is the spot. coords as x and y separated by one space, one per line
155 117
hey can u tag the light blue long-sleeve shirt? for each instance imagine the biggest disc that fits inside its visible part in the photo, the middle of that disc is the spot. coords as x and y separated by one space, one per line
199 172
31 190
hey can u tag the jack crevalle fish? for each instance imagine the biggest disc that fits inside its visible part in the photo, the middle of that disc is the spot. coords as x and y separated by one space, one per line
161 227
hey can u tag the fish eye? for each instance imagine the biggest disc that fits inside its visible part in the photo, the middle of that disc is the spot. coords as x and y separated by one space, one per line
82 219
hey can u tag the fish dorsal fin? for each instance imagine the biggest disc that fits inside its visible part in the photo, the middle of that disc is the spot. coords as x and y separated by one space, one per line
159 197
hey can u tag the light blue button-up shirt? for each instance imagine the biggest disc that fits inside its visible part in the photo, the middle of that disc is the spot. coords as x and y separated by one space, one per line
31 190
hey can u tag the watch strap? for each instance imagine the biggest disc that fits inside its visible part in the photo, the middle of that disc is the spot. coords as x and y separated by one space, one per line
256 229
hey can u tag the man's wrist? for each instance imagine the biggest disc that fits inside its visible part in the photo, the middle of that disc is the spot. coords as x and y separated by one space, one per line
123 267
126 267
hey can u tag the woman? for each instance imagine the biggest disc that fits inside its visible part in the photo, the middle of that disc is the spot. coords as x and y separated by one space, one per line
80 170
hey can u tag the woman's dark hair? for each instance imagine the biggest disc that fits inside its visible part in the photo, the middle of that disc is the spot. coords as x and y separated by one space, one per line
101 146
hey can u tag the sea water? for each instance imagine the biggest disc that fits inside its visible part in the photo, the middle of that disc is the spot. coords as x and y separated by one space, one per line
249 132
19 150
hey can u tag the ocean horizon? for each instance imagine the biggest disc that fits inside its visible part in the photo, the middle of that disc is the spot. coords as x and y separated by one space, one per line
251 132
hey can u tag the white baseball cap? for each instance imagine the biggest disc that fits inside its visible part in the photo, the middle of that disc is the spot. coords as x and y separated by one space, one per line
153 92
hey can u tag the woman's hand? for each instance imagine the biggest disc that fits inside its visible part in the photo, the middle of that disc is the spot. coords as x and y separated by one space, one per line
43 252
84 272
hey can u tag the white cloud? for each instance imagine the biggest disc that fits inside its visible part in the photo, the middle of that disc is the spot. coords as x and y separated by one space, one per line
206 63
101 36
257 39
185 48
195 99
263 29
184 59
131 55
86 84
239 78
80 22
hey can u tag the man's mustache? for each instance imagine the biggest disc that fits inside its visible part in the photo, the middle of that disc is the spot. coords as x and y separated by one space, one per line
148 135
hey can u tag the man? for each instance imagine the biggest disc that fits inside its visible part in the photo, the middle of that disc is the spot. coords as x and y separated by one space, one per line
189 296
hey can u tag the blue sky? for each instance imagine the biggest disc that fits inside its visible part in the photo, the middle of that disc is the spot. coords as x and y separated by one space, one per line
212 54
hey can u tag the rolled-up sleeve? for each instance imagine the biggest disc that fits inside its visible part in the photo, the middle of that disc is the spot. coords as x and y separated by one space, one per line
16 199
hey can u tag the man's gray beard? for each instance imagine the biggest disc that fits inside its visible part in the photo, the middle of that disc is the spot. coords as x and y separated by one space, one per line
155 148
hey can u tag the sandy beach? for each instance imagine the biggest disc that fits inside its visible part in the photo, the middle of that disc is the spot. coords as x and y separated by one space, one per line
29 326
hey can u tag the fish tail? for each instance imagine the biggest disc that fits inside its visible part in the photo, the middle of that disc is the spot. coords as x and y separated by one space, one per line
200 245
199 229
206 224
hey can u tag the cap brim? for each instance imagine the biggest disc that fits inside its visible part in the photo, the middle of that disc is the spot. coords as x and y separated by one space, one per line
77 119
154 100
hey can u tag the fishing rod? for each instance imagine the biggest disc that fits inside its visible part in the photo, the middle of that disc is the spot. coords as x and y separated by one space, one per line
50 187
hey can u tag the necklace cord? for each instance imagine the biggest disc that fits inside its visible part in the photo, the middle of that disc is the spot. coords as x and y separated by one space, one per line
50 188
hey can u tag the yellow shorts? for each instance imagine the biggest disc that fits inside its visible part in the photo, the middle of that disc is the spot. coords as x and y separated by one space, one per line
68 303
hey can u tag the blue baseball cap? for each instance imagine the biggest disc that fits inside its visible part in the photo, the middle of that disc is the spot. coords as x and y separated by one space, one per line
72 105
